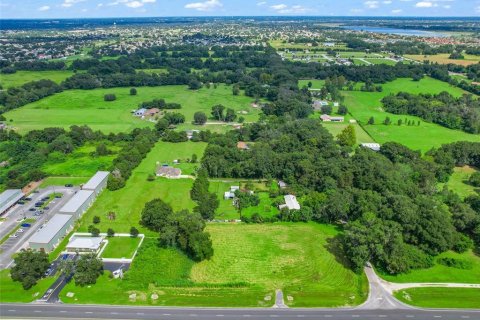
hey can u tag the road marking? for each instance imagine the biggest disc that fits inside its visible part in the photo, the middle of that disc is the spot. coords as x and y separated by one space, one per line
328 316
167 314
355 316
12 310
409 316
113 312
192 315
273 316
88 312
62 311
300 316
382 316
246 315
37 311
437 316
140 313
219 315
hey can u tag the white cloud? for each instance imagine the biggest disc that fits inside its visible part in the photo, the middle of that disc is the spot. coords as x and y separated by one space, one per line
371 4
134 4
387 2
208 5
284 9
279 7
69 3
262 3
44 8
447 6
396 11
424 4
477 9
149 1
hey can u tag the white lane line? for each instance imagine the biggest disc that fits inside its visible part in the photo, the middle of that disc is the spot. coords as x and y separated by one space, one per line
247 315
12 310
38 311
437 316
328 316
219 315
192 315
62 311
409 316
355 316
382 316
113 312
273 316
140 313
300 316
167 314
88 312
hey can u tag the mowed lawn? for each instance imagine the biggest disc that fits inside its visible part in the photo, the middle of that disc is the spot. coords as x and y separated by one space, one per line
128 202
316 84
21 77
363 105
120 247
442 273
250 262
12 291
87 107
441 297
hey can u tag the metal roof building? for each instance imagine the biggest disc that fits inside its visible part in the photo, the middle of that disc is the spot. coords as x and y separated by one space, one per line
290 202
47 238
84 244
97 182
9 198
79 203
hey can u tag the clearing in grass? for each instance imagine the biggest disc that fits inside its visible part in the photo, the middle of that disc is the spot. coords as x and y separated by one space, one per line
363 105
250 262
443 58
87 107
440 297
458 182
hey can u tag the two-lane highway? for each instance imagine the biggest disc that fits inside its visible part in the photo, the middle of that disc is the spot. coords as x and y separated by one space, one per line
60 311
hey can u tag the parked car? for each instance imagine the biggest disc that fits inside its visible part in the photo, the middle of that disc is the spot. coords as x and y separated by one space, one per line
58 196
21 202
32 209
13 236
46 208
20 230
28 199
69 185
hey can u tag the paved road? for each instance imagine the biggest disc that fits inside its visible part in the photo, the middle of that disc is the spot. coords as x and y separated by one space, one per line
12 245
58 311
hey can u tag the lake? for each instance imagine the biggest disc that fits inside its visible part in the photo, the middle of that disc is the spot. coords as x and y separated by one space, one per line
402 32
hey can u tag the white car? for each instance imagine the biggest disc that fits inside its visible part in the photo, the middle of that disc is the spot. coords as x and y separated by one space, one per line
14 235
20 230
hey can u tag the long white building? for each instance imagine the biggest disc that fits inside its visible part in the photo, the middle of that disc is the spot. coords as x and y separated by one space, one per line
98 182
79 203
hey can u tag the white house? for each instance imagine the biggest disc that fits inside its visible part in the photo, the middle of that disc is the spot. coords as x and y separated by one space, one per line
231 194
290 202
371 146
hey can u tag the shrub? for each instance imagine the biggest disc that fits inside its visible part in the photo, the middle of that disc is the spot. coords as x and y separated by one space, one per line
109 97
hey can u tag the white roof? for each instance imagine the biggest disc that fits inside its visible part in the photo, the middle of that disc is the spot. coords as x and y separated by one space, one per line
77 201
84 243
9 197
51 229
373 146
96 180
291 202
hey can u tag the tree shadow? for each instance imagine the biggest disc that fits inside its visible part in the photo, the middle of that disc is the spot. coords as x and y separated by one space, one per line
335 246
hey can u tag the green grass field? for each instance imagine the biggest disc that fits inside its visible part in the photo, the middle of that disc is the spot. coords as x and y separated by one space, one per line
249 263
12 291
79 163
87 107
363 105
128 202
21 77
459 182
120 247
441 297
441 273
61 181
316 84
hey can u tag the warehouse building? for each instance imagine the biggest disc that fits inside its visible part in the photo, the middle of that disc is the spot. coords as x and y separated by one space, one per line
79 203
52 232
97 182
9 198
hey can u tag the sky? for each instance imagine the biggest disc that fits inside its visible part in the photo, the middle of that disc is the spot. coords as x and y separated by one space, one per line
11 9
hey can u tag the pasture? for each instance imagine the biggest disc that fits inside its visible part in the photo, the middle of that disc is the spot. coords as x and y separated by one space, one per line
441 297
21 77
87 107
442 273
444 59
128 202
363 105
297 258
